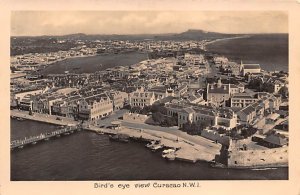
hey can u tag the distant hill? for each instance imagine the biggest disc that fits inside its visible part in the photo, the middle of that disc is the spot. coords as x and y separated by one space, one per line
191 34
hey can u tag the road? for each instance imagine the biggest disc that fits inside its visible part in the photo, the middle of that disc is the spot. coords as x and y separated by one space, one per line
113 117
174 131
171 130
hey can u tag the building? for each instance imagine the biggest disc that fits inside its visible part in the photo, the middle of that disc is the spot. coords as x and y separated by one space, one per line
266 103
275 141
222 117
250 68
95 107
140 98
242 100
218 94
161 92
117 98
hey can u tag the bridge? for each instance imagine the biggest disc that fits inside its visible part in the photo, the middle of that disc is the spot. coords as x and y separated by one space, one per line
20 143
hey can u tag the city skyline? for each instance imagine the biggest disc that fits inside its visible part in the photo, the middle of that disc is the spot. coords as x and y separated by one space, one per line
37 23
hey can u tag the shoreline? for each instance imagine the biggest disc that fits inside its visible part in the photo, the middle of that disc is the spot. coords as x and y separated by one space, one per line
224 39
186 150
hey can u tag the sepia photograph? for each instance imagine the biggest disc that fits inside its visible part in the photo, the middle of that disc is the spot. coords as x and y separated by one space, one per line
149 95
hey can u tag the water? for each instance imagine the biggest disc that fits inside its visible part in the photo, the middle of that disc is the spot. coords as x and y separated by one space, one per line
94 63
88 156
270 51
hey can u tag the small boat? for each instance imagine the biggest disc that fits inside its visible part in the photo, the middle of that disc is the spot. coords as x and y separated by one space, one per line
58 135
217 165
156 147
66 133
13 117
149 145
46 139
20 119
100 132
33 143
21 146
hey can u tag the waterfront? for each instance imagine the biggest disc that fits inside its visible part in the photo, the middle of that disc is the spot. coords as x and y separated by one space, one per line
94 63
269 50
89 156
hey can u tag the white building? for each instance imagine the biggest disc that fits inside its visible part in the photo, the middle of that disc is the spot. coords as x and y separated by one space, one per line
140 98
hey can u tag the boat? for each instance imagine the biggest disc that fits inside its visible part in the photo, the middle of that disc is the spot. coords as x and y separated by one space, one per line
33 143
149 145
218 165
156 147
21 146
20 119
100 132
12 116
120 138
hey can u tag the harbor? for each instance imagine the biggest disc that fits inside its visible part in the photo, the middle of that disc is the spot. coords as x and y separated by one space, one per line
102 159
185 149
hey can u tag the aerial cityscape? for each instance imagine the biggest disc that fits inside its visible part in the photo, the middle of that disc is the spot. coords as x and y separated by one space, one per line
190 105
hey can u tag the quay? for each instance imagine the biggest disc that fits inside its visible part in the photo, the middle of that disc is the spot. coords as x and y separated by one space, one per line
185 150
20 143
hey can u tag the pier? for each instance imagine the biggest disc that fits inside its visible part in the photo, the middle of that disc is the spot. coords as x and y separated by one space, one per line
20 143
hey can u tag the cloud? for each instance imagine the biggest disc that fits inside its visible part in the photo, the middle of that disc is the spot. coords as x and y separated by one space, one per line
138 22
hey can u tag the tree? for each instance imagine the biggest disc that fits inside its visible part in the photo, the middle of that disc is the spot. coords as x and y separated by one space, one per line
135 109
284 92
158 117
171 121
221 130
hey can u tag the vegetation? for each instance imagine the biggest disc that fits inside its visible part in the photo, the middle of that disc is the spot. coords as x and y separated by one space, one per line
194 128
159 114
261 86
242 132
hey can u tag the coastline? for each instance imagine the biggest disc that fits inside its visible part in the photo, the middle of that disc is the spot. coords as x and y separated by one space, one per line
186 150
224 39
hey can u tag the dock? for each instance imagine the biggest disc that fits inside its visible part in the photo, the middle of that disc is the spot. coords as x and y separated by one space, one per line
184 149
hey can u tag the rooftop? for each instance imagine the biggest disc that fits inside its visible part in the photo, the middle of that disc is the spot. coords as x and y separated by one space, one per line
251 66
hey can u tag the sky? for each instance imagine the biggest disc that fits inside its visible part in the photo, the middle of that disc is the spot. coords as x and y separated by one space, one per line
33 23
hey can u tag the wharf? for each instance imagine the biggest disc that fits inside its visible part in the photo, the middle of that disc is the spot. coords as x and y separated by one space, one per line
184 150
